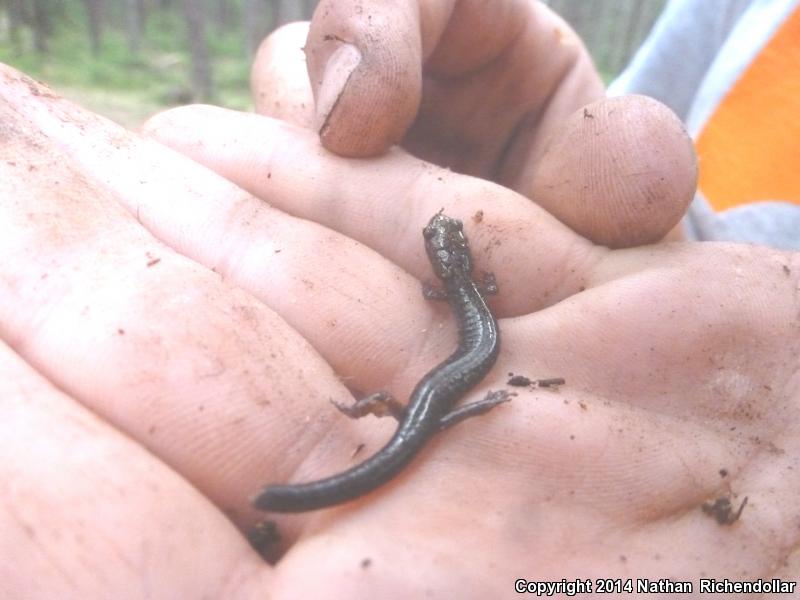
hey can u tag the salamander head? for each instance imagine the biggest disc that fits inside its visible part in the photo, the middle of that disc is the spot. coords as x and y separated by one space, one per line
447 247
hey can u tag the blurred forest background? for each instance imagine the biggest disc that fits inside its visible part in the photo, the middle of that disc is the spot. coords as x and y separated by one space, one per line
127 59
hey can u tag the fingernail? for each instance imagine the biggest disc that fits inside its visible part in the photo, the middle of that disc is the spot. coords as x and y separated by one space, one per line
340 66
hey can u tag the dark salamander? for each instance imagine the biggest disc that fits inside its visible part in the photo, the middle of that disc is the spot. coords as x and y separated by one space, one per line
430 408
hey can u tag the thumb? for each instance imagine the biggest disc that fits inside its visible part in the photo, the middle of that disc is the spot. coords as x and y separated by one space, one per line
620 172
365 68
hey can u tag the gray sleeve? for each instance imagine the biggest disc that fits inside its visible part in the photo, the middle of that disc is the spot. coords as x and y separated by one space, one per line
674 59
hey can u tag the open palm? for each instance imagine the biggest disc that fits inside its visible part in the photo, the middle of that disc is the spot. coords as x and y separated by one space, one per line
171 343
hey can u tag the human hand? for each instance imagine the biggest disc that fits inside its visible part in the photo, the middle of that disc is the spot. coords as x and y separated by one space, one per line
168 303
502 90
681 368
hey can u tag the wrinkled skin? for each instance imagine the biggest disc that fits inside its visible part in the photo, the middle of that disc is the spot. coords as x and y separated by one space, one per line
172 338
503 90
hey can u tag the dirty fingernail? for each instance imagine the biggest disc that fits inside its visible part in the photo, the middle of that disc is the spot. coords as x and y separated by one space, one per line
340 66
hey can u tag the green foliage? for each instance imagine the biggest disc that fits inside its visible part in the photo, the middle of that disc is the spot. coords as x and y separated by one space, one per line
129 87
116 82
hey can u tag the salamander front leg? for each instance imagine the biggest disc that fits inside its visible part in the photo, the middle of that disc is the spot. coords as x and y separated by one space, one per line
474 409
433 292
380 404
488 284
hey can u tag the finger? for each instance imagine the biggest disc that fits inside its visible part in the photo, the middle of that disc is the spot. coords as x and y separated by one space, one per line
364 65
88 513
318 281
620 172
623 179
193 367
279 79
686 391
220 406
385 203
682 309
490 108
365 62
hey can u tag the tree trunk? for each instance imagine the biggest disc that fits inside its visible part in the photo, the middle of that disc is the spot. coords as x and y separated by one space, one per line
253 25
141 13
16 18
194 12
42 27
631 35
224 15
134 24
94 12
286 11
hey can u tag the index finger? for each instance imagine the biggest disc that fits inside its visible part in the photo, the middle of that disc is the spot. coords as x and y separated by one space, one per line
365 68
385 202
366 62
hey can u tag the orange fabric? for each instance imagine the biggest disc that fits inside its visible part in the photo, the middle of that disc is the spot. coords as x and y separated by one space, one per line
749 149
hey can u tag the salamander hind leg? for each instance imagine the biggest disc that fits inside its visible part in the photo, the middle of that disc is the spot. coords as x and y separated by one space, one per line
473 409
